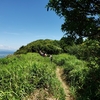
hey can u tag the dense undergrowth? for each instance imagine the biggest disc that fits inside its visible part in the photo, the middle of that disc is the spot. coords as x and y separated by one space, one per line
84 81
89 51
20 75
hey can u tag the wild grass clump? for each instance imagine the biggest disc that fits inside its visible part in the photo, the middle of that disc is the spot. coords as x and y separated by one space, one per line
21 74
75 72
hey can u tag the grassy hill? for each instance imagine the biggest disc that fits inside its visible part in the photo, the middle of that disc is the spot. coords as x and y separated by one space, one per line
23 74
26 72
47 46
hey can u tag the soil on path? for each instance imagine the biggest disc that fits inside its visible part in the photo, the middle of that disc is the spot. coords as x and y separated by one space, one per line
43 94
59 73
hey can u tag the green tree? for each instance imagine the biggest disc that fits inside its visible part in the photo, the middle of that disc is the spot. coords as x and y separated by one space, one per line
81 17
47 46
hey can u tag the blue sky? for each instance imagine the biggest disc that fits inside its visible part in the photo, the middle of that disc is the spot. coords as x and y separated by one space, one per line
24 21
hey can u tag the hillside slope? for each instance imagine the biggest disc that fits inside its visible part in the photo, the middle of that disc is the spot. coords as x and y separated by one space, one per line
47 46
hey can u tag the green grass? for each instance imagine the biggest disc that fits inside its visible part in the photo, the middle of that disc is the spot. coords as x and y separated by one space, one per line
20 75
75 71
84 81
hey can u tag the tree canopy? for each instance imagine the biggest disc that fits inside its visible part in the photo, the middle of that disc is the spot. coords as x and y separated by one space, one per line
81 17
47 46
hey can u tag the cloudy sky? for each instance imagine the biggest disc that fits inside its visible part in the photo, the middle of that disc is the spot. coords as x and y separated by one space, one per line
24 21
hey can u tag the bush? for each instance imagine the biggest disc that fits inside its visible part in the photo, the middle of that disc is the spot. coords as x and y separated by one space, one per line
47 46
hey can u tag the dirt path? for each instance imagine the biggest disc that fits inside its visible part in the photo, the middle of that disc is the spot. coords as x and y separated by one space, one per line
44 95
64 85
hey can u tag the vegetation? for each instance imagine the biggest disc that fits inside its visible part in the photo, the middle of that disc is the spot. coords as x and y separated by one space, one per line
83 80
26 71
22 74
81 17
47 46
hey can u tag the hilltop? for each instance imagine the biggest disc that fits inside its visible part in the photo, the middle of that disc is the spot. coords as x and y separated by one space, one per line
47 45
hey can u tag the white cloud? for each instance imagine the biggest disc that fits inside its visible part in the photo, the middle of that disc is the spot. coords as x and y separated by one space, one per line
3 47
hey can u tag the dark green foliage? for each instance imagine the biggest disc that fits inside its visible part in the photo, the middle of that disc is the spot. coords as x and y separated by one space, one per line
88 50
66 41
46 46
90 90
81 17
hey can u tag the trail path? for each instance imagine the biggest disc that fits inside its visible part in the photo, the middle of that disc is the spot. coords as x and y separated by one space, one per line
59 72
41 94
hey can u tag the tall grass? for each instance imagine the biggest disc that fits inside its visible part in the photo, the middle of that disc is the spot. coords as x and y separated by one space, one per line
20 75
75 72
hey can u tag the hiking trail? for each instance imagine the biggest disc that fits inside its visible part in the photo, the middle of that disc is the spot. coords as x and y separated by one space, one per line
41 93
59 73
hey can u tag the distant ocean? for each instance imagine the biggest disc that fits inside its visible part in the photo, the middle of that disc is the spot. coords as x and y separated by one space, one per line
4 53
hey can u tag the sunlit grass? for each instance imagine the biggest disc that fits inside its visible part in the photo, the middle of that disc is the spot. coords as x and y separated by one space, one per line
20 75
